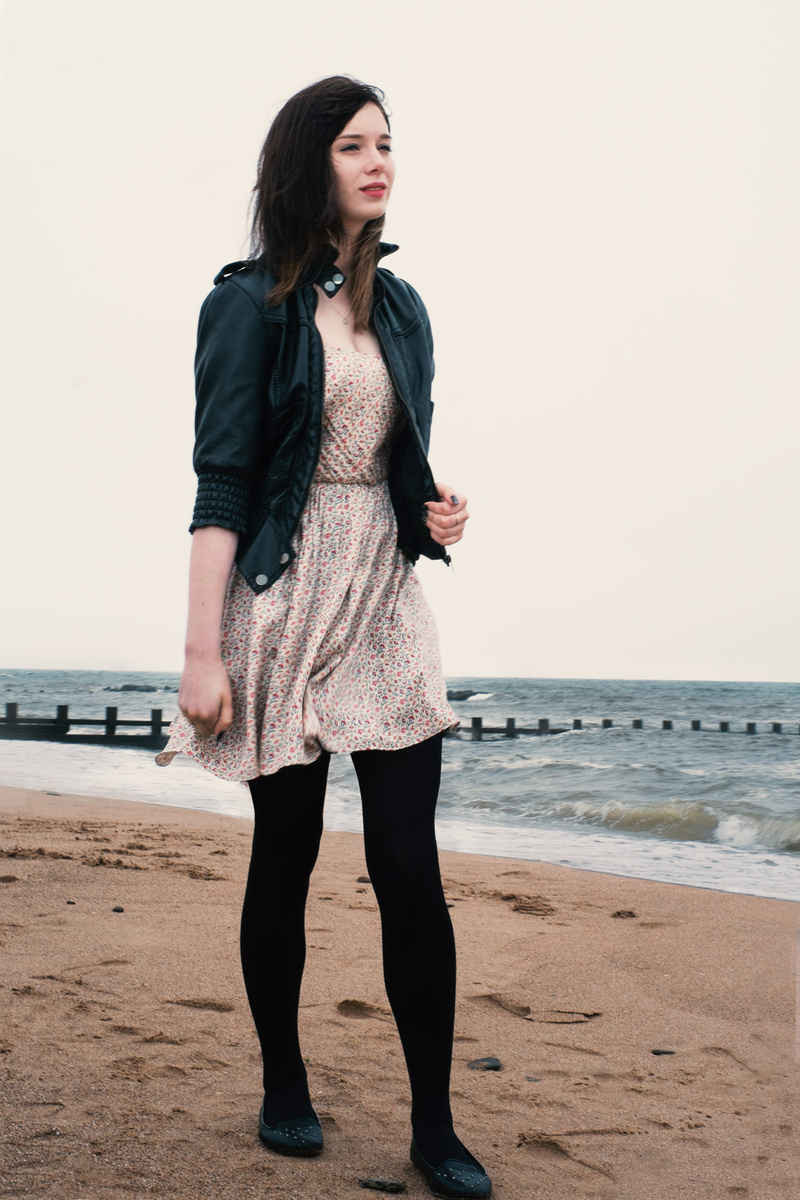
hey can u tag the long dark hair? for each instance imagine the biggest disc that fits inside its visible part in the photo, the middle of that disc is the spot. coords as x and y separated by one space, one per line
295 215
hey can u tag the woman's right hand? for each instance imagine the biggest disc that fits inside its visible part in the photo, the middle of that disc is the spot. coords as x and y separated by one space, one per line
204 697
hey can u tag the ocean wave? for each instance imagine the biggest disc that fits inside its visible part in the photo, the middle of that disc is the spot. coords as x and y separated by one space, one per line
678 819
682 820
759 833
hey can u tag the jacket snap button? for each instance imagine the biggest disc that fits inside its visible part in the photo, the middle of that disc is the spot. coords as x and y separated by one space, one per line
330 286
261 580
284 559
338 279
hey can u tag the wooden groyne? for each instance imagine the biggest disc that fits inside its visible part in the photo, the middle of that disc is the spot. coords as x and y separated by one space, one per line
511 730
109 730
59 728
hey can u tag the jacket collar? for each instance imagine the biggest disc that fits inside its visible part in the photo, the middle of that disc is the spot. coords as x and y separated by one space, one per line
329 277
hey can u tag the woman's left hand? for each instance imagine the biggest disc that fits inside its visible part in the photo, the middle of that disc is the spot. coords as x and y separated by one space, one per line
446 518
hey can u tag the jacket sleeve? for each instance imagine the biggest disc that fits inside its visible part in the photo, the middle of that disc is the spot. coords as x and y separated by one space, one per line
426 324
231 377
425 418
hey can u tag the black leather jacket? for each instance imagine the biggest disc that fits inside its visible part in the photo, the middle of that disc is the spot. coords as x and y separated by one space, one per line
259 375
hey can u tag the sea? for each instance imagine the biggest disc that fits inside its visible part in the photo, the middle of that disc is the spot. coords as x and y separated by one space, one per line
697 807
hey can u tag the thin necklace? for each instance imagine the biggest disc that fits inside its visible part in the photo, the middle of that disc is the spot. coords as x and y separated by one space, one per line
345 320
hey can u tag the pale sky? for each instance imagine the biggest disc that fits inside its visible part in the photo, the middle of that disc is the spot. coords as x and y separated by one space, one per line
598 203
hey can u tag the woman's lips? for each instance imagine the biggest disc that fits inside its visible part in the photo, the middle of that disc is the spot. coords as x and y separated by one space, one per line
374 189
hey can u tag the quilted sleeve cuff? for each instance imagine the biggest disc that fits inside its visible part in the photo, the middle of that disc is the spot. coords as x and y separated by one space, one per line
221 500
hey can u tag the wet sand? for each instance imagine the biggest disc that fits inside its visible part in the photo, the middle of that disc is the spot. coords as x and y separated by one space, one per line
130 1066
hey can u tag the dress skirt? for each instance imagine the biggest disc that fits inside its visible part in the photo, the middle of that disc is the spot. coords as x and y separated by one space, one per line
341 653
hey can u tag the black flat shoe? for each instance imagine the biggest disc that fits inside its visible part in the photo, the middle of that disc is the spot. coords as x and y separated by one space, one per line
452 1177
300 1137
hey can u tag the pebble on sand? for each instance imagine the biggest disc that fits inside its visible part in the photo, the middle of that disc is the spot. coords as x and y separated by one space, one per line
118 908
485 1064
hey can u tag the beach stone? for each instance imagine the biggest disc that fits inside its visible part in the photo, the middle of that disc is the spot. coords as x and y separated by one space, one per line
70 902
624 912
662 1051
363 879
9 878
384 1185
485 1064
533 1078
118 908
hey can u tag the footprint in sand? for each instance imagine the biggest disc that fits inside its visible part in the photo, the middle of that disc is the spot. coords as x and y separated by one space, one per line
129 1068
100 860
360 1009
538 906
213 1005
547 1146
28 852
548 1016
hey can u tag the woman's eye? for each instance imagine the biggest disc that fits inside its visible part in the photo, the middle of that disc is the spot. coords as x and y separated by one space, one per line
355 146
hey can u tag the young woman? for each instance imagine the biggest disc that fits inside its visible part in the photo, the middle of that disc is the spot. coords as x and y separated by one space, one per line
308 633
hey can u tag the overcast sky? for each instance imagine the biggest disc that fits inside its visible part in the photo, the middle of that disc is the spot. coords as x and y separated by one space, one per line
597 201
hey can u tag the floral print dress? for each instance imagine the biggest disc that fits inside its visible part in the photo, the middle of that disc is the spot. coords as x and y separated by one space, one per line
341 652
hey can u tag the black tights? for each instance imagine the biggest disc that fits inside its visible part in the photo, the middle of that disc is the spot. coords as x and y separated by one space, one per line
398 794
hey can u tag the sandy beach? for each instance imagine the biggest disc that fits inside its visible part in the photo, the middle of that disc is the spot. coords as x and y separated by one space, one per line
130 1066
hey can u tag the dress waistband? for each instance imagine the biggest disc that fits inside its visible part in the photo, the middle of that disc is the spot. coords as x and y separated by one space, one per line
377 483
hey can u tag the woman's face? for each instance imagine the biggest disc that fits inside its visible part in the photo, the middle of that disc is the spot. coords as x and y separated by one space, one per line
363 168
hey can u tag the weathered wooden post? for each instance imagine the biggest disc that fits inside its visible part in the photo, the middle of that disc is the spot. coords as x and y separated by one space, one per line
511 727
111 721
544 725
751 727
577 723
477 728
607 723
62 718
777 727
638 723
724 726
697 725
11 714
666 724
155 722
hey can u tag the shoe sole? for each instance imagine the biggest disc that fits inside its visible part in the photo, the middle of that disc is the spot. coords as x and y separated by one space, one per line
290 1151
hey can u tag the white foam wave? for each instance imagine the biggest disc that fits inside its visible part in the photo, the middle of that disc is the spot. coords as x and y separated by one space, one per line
759 833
